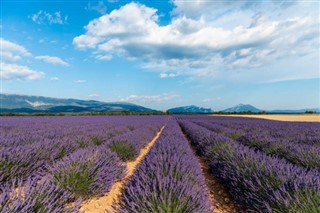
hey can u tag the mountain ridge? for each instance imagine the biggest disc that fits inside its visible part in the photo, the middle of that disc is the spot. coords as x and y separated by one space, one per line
27 103
12 103
243 108
190 109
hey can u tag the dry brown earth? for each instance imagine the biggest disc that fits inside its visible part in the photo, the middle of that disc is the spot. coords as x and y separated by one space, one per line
282 117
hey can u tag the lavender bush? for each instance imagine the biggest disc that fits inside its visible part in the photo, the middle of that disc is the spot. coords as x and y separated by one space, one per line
87 172
261 182
127 146
29 145
302 154
295 132
47 163
19 162
168 180
36 196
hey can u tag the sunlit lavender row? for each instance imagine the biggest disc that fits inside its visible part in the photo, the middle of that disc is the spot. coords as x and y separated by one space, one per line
57 164
293 150
168 180
56 161
261 181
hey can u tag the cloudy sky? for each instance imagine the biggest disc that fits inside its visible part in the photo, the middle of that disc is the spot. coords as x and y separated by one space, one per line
163 54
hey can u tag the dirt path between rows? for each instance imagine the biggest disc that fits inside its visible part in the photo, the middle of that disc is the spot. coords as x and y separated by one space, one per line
220 197
101 204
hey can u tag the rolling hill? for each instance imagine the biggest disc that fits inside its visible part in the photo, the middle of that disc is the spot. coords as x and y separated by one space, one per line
29 104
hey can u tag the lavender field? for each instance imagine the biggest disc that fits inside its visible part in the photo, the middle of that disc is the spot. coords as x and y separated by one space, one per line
61 164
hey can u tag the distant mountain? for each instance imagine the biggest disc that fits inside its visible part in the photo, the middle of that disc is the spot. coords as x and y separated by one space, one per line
190 109
249 108
38 104
25 103
242 108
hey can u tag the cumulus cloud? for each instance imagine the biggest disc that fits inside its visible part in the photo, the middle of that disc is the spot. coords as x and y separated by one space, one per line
149 98
52 60
11 51
130 21
43 17
196 46
13 71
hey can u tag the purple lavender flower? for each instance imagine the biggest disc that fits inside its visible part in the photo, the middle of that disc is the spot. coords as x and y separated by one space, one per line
168 180
264 183
36 195
87 172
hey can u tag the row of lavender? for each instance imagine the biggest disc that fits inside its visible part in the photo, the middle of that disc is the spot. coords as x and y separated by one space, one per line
168 180
30 159
263 183
296 132
80 160
254 135
18 131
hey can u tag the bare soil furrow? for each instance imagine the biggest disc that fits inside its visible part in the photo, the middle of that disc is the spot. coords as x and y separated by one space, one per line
220 197
105 203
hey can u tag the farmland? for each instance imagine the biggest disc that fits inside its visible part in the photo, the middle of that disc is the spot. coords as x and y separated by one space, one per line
282 117
158 164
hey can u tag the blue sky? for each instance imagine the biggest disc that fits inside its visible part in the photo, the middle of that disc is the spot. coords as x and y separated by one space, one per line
163 54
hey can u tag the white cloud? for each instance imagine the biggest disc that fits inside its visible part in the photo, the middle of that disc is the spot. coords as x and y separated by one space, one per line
52 60
131 20
13 71
195 46
149 98
79 81
11 51
43 17
167 75
54 79
100 7
200 46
